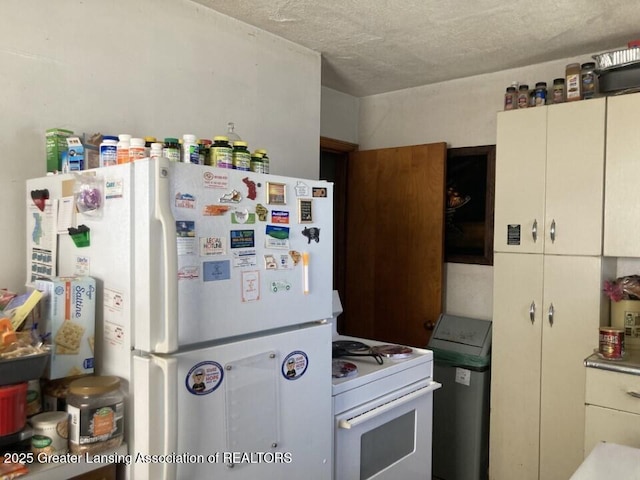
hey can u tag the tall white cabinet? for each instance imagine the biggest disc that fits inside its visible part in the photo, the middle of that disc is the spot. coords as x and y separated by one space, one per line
548 275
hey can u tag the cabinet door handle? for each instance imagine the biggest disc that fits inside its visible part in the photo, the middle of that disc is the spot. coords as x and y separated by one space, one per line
551 312
534 231
532 311
552 231
634 394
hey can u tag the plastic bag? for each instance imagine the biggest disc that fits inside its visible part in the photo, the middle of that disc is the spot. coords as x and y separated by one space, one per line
623 288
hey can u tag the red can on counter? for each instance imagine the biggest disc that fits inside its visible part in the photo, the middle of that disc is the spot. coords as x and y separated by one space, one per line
611 343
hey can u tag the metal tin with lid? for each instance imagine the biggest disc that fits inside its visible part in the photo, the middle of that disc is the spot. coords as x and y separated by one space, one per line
96 414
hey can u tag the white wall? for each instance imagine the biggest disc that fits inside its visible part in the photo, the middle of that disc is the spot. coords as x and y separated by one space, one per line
339 115
463 114
148 67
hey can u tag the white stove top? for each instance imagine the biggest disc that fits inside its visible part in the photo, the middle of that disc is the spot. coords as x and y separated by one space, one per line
417 366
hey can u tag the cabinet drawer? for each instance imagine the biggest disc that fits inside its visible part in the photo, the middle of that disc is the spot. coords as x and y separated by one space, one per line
607 425
613 390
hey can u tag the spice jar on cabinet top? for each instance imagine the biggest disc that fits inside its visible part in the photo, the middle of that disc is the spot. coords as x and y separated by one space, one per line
96 414
523 96
573 84
557 95
541 94
511 99
588 80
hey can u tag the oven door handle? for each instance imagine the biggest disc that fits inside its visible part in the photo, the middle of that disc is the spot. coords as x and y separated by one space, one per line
374 412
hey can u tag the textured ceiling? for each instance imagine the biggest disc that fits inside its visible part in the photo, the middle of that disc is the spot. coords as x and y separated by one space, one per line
376 46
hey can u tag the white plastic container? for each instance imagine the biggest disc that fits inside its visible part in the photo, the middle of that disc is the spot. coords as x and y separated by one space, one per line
124 143
190 151
136 149
109 151
156 150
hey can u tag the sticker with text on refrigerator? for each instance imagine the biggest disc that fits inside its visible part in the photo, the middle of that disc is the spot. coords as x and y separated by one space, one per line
279 216
244 258
302 189
204 377
83 265
211 246
319 192
295 365
243 216
216 271
242 239
188 272
186 241
277 237
215 179
113 188
185 200
250 286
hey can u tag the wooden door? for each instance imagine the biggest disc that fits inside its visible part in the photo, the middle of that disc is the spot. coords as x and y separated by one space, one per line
394 253
515 366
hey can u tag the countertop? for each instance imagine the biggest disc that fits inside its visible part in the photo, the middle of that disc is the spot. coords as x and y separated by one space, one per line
608 460
630 363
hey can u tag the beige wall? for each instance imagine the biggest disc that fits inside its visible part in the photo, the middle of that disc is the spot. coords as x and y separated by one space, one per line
147 67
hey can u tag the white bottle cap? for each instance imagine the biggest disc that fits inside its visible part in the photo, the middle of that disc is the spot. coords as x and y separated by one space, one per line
137 142
188 138
124 137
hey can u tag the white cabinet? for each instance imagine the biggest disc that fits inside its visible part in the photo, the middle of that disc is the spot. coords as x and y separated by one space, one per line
622 197
547 310
613 408
549 179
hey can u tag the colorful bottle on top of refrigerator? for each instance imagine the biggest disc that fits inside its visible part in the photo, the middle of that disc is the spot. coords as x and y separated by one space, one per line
221 153
108 151
124 140
171 149
265 159
241 156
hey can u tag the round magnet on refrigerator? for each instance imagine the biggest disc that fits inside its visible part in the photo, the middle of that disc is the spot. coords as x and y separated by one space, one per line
204 378
295 365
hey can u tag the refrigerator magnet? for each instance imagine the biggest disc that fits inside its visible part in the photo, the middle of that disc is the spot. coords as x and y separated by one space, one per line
215 179
243 216
250 286
216 271
279 216
276 193
262 212
204 377
305 210
233 196
242 239
295 365
302 189
211 246
185 200
312 233
319 192
251 188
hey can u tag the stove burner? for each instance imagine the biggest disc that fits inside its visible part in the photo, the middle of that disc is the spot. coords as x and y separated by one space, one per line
393 351
353 348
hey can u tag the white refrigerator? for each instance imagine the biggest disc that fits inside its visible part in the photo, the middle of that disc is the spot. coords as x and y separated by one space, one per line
214 287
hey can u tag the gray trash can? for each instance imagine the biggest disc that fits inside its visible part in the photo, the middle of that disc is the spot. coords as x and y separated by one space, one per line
461 350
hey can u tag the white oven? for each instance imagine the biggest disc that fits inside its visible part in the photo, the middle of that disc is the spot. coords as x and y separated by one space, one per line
383 418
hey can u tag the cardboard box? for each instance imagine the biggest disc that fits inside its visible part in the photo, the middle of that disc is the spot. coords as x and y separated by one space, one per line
75 154
68 324
56 142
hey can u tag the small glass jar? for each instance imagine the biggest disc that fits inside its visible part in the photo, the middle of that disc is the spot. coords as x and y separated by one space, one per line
511 99
573 84
523 96
588 80
541 94
96 414
558 90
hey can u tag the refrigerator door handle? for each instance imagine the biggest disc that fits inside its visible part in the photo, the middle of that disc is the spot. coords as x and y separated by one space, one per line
168 256
168 369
